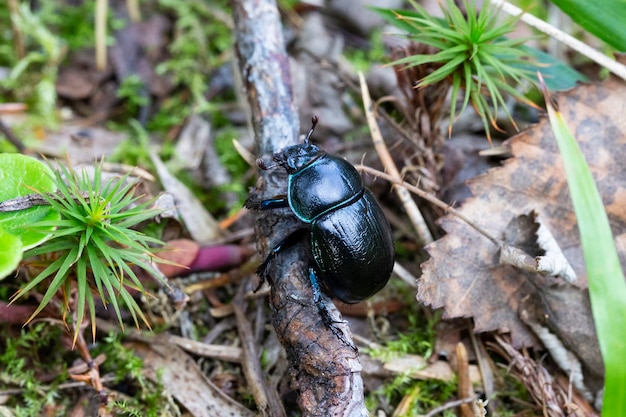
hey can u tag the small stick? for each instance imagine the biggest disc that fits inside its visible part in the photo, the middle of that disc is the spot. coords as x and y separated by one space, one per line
581 47
430 198
32 200
133 10
265 396
464 382
411 207
14 10
8 133
449 405
101 33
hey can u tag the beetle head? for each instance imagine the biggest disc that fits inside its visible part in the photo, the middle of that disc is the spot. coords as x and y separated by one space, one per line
293 158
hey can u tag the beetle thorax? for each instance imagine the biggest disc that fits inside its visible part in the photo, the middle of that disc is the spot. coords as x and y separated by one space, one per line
327 183
294 158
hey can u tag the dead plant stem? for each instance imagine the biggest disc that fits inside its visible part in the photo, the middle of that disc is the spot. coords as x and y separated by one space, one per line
581 47
428 197
409 204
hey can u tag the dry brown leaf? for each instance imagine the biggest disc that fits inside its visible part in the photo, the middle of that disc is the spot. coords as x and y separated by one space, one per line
464 276
179 374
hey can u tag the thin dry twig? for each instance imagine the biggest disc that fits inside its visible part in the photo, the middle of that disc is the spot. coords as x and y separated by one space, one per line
449 405
581 47
11 137
464 383
486 371
428 197
101 33
265 397
412 210
537 380
32 200
207 350
133 10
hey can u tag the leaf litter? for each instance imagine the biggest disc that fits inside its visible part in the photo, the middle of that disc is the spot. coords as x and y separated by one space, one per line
465 276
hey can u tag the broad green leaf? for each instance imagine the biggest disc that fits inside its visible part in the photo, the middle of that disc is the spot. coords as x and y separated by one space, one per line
607 285
604 19
10 253
556 74
21 175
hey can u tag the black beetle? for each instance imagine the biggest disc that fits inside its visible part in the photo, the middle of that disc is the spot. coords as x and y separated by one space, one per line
350 238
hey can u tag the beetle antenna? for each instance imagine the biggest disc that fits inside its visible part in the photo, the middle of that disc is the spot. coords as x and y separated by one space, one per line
314 121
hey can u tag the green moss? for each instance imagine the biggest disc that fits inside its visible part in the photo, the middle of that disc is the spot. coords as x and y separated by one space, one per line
34 352
362 59
147 399
419 396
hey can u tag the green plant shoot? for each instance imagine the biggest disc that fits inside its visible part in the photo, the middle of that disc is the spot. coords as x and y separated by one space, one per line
93 247
607 286
473 55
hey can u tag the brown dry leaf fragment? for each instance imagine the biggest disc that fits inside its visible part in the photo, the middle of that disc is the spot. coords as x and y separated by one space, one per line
184 380
464 275
531 246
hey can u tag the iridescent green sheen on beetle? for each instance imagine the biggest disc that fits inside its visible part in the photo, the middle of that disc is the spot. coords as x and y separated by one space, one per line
351 242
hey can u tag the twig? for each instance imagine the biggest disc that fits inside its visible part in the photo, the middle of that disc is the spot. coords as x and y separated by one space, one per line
430 198
464 383
101 34
66 385
133 10
326 371
405 198
449 405
486 372
8 133
17 34
265 397
32 200
581 47
405 275
207 350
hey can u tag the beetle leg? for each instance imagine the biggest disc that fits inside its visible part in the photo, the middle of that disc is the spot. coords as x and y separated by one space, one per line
323 310
263 271
279 201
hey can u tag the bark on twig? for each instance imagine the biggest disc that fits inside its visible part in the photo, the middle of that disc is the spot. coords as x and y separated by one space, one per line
325 371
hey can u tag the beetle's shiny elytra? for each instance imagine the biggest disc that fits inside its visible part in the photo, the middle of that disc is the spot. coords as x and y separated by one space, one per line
351 241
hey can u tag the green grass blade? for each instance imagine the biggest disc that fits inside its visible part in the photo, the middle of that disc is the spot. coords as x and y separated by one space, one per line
50 269
442 72
134 308
57 282
456 86
110 281
53 245
607 286
81 295
92 314
98 270
604 19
